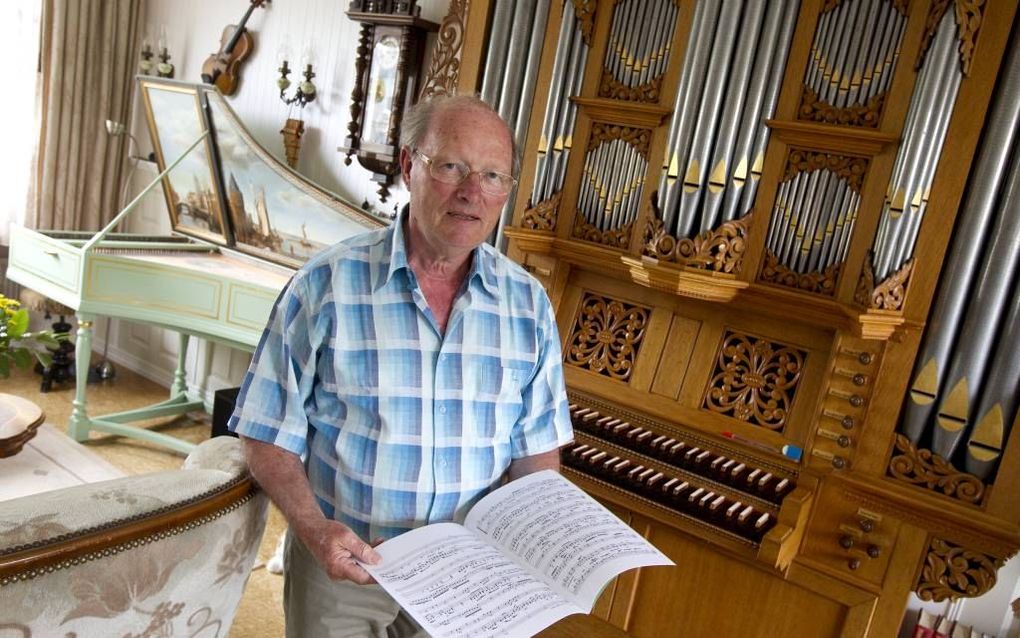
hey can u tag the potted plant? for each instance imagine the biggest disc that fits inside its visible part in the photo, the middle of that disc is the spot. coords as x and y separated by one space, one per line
18 346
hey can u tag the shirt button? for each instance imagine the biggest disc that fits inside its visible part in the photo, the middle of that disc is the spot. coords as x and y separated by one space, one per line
443 464
442 409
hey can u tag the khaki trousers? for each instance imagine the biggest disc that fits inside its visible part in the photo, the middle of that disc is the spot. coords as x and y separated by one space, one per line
318 607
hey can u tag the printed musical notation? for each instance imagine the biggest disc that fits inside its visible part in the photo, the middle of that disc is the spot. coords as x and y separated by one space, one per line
534 551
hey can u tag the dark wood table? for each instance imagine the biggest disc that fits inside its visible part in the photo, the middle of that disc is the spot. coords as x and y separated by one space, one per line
582 626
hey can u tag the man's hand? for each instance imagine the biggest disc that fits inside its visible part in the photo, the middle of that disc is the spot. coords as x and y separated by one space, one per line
336 547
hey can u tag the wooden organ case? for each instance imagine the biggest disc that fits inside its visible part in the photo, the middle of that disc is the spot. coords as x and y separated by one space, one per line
742 212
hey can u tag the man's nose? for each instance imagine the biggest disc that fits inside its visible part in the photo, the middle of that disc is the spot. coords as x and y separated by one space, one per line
471 184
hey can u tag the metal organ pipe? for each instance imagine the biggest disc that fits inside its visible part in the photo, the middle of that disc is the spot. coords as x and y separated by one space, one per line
975 345
923 138
729 85
964 260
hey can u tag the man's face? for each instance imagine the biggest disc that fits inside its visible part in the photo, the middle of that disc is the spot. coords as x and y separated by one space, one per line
457 217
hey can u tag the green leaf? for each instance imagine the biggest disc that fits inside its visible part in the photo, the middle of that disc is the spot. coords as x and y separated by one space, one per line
5 366
18 324
47 339
44 358
22 357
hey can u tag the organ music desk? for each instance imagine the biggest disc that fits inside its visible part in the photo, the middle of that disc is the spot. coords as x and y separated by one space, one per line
178 282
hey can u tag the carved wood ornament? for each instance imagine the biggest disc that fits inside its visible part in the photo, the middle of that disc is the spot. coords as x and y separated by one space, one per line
444 69
850 169
969 16
952 572
606 337
919 466
543 215
822 283
718 250
887 295
602 132
814 109
612 88
584 12
755 380
615 237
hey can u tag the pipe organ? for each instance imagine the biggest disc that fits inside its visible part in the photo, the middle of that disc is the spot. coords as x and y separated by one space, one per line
782 239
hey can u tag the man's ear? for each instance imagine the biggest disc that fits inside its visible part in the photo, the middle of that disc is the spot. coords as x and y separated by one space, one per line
406 159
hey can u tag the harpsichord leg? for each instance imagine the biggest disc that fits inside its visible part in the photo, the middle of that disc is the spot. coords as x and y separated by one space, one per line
78 426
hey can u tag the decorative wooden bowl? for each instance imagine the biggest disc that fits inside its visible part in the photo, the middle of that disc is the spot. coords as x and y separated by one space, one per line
19 420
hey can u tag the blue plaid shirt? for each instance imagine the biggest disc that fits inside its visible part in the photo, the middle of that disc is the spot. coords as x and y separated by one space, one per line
398 424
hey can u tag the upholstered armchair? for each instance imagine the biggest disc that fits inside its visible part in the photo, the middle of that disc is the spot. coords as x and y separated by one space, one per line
162 554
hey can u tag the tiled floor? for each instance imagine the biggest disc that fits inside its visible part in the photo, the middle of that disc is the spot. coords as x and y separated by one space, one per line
260 614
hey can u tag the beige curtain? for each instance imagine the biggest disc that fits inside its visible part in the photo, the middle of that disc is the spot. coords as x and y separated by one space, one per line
88 51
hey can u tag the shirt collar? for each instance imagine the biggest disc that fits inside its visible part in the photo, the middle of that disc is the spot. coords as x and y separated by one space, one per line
483 262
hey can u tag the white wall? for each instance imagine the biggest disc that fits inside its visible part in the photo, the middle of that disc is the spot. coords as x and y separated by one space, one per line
193 30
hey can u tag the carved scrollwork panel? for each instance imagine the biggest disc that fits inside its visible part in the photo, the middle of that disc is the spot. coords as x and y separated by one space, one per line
614 237
607 335
602 132
887 295
814 109
969 17
543 215
584 10
951 571
612 88
821 283
718 250
444 69
754 380
850 169
919 466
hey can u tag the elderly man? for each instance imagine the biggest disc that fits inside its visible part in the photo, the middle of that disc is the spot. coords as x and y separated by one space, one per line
404 373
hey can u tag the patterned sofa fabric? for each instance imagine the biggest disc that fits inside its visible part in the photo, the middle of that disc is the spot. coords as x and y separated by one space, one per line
165 554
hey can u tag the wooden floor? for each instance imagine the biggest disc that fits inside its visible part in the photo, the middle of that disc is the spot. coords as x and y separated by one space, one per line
260 614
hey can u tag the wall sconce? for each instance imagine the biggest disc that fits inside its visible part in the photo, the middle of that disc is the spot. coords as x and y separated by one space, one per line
163 69
145 65
389 54
305 90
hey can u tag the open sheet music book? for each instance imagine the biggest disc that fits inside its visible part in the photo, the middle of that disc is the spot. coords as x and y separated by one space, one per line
534 551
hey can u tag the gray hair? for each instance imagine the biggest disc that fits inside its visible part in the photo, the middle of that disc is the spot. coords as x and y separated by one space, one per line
417 119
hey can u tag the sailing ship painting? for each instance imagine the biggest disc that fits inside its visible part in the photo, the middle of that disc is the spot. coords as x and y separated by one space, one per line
175 119
270 217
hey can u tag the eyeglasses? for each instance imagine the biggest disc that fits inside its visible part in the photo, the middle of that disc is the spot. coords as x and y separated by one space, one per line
491 182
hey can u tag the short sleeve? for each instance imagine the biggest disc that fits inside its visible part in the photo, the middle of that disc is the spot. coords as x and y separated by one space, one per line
544 424
271 402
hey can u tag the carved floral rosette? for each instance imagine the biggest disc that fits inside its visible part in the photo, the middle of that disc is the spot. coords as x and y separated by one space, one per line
754 380
889 294
718 250
606 337
822 283
919 466
814 109
951 571
444 70
542 216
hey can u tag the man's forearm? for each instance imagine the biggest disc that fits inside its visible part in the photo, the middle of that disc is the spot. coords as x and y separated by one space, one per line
529 464
281 475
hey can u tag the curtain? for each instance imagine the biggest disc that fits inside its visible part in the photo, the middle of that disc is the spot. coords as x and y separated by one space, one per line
88 51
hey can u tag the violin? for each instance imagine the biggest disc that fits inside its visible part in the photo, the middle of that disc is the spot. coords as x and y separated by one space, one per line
223 68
